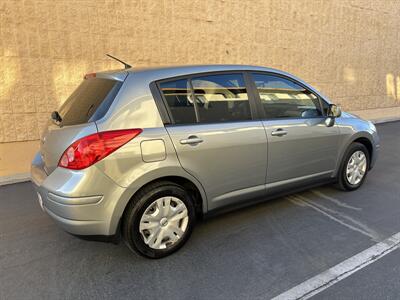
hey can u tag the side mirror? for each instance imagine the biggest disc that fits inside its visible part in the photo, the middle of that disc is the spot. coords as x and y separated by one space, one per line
329 121
334 111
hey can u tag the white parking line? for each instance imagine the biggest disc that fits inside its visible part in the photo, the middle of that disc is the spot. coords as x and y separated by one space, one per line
337 216
334 200
322 281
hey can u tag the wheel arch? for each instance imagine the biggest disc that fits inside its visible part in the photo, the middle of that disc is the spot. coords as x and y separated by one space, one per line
367 143
361 137
184 182
195 188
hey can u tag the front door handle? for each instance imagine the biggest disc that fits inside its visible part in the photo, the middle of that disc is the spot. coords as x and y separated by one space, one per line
279 132
191 140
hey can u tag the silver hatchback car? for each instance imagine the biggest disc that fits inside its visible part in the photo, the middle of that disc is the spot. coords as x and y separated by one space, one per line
143 153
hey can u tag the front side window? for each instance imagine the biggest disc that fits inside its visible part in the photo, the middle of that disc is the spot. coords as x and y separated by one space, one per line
177 94
221 98
325 107
282 98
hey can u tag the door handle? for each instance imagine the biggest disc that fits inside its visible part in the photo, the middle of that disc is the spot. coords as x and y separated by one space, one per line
279 132
191 140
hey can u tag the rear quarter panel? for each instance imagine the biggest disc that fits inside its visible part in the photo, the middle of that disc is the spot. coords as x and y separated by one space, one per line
128 168
134 107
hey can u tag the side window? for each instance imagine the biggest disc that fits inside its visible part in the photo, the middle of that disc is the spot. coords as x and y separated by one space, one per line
325 107
282 98
177 94
221 98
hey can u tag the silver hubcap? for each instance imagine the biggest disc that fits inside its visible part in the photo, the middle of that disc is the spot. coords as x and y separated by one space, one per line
164 222
356 167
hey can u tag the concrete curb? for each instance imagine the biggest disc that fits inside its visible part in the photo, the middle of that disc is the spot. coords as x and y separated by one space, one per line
385 120
23 177
16 178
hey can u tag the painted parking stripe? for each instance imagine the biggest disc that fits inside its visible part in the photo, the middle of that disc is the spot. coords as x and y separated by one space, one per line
337 216
322 281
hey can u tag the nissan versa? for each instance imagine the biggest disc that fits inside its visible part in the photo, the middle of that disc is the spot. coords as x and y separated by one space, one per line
143 153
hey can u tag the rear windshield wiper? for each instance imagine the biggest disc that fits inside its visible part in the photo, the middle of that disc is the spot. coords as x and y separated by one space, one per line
56 116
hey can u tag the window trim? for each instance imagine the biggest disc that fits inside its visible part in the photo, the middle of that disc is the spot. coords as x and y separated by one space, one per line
258 98
163 107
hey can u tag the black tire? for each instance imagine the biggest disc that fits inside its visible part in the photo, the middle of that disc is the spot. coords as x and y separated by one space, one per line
138 205
343 182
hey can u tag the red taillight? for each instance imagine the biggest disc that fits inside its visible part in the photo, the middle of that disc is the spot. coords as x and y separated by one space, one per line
92 148
89 75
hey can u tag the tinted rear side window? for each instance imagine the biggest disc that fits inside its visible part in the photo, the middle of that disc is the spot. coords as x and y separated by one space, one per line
89 102
177 94
221 98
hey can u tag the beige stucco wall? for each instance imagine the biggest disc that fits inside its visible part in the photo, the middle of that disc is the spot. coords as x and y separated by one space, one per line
348 49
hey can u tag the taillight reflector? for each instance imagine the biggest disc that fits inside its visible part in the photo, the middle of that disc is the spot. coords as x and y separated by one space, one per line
89 75
93 148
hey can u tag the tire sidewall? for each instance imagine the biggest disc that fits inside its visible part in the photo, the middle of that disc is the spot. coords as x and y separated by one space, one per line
343 178
134 236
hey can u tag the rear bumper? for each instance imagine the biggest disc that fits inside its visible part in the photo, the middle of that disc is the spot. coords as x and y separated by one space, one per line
81 202
78 227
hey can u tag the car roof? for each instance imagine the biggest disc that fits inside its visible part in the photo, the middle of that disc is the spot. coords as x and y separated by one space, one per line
156 73
205 68
193 69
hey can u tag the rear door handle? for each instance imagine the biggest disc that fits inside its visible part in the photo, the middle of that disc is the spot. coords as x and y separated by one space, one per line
279 132
191 140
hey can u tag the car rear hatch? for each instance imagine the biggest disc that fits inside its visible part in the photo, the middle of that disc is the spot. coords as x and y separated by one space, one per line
87 104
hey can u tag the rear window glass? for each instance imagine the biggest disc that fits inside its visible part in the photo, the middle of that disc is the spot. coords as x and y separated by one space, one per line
218 98
221 98
89 102
177 94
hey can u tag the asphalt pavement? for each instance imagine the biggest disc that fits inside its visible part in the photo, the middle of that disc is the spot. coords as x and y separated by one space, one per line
254 253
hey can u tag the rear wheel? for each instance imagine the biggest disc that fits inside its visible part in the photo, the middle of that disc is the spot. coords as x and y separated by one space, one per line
159 219
354 168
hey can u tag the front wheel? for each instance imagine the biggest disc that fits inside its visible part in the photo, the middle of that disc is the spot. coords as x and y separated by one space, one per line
159 220
354 168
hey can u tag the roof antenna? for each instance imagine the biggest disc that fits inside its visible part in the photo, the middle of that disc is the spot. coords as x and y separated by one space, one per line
126 66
